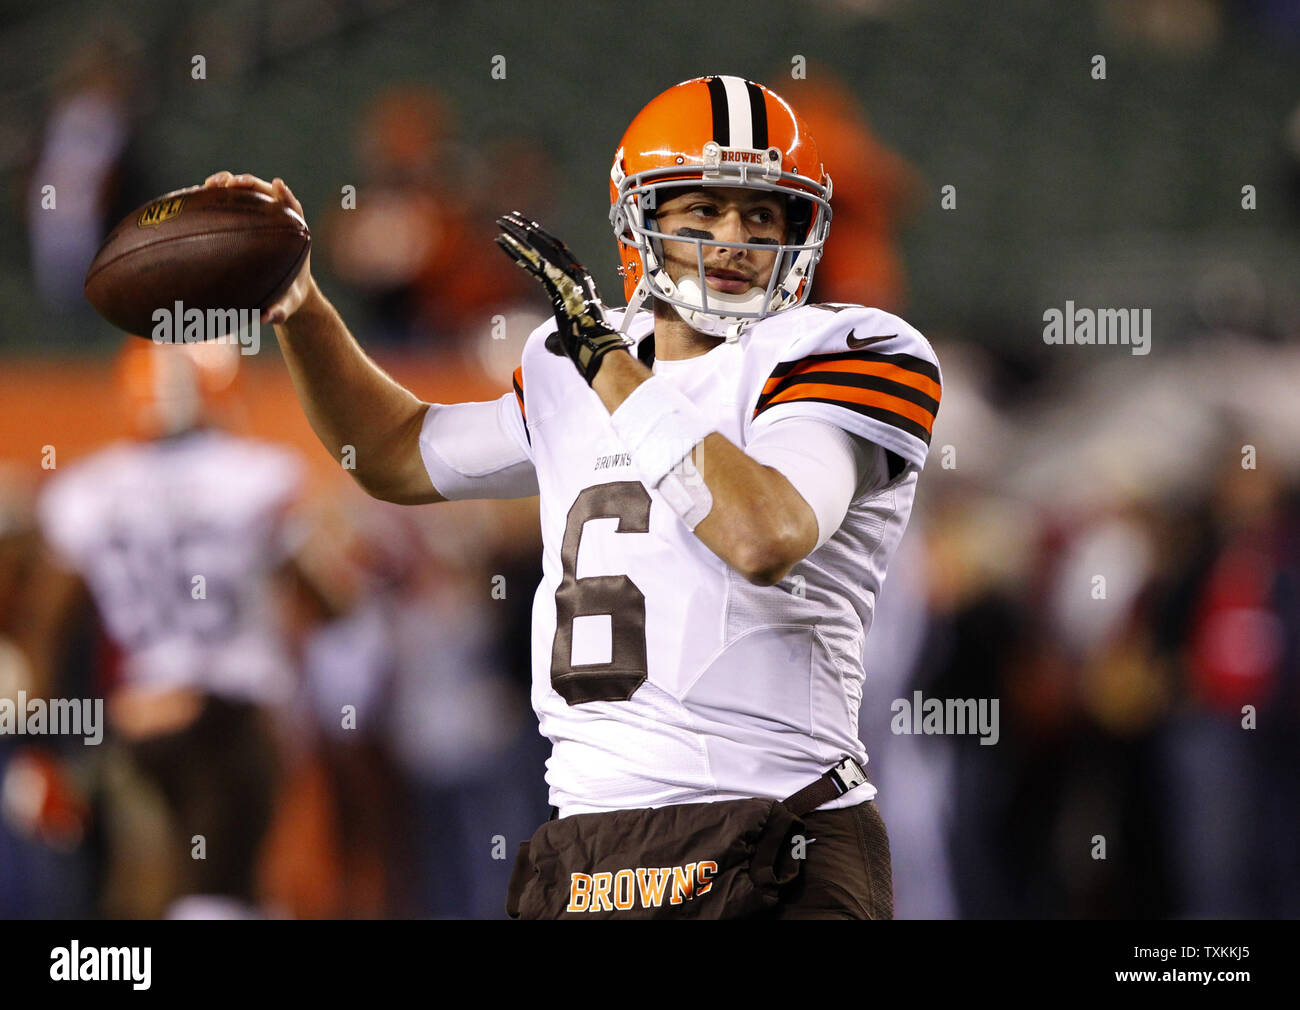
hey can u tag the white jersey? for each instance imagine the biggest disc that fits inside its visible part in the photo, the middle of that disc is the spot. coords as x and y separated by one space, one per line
660 675
176 539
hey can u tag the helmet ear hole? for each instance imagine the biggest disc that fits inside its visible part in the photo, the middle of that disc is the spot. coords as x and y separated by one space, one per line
798 216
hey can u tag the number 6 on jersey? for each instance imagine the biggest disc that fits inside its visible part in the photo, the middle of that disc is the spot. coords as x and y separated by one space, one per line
615 595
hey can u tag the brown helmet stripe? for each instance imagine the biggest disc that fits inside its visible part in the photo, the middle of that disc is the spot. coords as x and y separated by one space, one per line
758 115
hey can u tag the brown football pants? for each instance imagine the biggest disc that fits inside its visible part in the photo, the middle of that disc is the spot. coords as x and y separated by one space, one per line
846 872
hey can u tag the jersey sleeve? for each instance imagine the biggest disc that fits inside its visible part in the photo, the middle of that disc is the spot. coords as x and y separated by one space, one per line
478 450
825 464
880 382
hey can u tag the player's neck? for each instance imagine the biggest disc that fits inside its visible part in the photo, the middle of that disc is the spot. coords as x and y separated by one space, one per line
675 340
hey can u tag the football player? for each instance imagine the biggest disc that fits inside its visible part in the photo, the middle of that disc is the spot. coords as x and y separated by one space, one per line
183 536
724 473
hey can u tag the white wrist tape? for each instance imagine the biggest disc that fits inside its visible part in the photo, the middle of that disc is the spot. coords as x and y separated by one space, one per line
659 426
685 493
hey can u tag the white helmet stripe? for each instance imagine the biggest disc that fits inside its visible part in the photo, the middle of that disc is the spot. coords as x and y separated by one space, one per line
739 115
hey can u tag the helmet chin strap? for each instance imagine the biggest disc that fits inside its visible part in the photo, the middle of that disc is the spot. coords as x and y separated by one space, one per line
639 296
720 320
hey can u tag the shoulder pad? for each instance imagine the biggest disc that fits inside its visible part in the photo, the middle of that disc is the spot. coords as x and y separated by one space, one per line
862 369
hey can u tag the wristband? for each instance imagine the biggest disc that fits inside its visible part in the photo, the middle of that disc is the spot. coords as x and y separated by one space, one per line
590 352
686 494
658 426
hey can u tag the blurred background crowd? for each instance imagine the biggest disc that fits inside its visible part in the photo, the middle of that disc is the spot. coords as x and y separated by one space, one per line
1107 543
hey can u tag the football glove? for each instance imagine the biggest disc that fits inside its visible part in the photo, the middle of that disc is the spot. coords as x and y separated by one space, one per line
584 334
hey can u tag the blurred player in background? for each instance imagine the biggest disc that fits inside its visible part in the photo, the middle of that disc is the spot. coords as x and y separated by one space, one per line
185 540
876 191
418 247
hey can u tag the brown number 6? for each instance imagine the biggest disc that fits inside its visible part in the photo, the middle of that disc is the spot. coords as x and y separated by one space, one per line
615 595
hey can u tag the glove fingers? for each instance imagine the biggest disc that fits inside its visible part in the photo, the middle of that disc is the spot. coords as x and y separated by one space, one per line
526 257
516 225
555 251
522 241
523 255
517 219
579 314
547 245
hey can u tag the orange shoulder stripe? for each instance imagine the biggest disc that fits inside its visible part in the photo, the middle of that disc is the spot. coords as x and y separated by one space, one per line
855 394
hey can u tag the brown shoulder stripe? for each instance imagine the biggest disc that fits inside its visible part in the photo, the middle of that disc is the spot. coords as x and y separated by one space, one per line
908 361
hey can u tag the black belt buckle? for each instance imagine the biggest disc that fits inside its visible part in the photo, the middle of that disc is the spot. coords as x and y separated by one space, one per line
846 775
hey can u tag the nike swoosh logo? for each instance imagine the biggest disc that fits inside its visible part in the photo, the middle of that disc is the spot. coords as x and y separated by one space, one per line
856 342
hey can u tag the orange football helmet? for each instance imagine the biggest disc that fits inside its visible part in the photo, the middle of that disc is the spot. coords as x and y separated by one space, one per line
171 388
718 131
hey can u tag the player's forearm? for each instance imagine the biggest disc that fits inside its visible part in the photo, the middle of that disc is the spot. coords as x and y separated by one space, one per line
351 402
619 375
758 523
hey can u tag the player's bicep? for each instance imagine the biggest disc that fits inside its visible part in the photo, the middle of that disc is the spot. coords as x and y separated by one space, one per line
478 450
401 476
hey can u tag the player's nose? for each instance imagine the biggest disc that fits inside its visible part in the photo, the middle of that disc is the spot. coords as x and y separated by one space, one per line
730 227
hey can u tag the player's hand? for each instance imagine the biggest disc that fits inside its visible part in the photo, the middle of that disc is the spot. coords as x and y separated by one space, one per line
297 292
584 333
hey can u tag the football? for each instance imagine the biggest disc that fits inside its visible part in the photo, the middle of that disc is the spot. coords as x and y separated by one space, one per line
208 249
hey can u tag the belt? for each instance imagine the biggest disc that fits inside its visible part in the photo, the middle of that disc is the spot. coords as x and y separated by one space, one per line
846 775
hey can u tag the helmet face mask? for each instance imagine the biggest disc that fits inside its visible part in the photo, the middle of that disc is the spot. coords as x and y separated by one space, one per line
678 158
